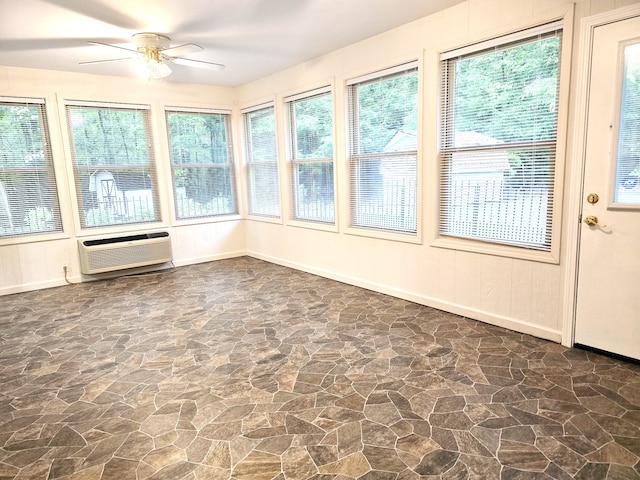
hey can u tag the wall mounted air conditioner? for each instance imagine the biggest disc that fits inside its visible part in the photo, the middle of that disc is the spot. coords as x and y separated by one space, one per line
117 253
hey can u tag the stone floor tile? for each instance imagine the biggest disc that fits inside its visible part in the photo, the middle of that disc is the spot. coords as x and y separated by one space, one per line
437 462
258 465
244 369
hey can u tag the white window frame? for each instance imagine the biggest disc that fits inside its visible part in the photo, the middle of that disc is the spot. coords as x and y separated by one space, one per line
563 22
230 164
405 237
249 164
151 166
292 161
612 202
50 168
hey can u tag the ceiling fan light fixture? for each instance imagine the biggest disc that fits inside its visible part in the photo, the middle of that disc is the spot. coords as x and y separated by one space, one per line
153 52
152 65
157 70
151 69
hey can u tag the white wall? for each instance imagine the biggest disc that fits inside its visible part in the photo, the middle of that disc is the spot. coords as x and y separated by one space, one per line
28 264
525 295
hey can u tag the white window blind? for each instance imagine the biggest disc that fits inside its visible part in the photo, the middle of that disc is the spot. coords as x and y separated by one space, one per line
498 145
383 119
113 162
262 162
28 194
311 156
626 189
201 163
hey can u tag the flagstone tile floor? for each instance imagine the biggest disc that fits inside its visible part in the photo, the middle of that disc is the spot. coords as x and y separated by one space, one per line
241 369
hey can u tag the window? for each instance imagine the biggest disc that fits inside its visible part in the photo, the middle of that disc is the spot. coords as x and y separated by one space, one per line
201 163
113 162
262 162
626 189
311 156
28 196
383 121
498 146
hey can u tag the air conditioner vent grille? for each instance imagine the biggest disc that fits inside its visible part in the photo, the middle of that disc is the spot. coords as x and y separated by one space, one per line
117 253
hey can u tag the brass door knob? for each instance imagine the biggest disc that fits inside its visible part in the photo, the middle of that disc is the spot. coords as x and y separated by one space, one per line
591 220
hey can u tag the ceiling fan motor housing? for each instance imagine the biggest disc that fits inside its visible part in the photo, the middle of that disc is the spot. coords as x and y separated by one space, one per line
151 41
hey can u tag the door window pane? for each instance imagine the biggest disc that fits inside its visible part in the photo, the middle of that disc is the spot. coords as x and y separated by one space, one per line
627 180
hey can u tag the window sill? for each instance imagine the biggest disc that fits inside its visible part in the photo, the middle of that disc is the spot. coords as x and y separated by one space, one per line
413 238
477 246
49 237
324 227
121 229
258 218
184 222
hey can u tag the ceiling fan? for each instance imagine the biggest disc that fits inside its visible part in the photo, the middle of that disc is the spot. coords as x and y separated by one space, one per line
153 52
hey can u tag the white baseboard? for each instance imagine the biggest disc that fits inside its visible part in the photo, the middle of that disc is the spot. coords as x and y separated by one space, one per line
475 314
29 287
72 279
480 315
209 258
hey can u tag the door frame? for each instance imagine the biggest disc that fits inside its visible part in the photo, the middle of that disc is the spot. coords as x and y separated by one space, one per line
576 178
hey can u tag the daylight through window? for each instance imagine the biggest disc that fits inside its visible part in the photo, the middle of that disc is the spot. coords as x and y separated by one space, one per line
262 162
383 125
626 189
201 164
498 154
28 195
311 156
113 163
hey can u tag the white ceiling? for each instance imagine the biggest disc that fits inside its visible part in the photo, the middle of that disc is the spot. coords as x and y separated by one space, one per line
253 38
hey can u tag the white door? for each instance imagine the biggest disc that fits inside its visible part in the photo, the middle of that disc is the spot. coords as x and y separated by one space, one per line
608 294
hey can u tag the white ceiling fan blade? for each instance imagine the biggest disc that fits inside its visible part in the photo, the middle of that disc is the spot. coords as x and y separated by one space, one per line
18 44
114 46
197 64
106 61
185 49
99 11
